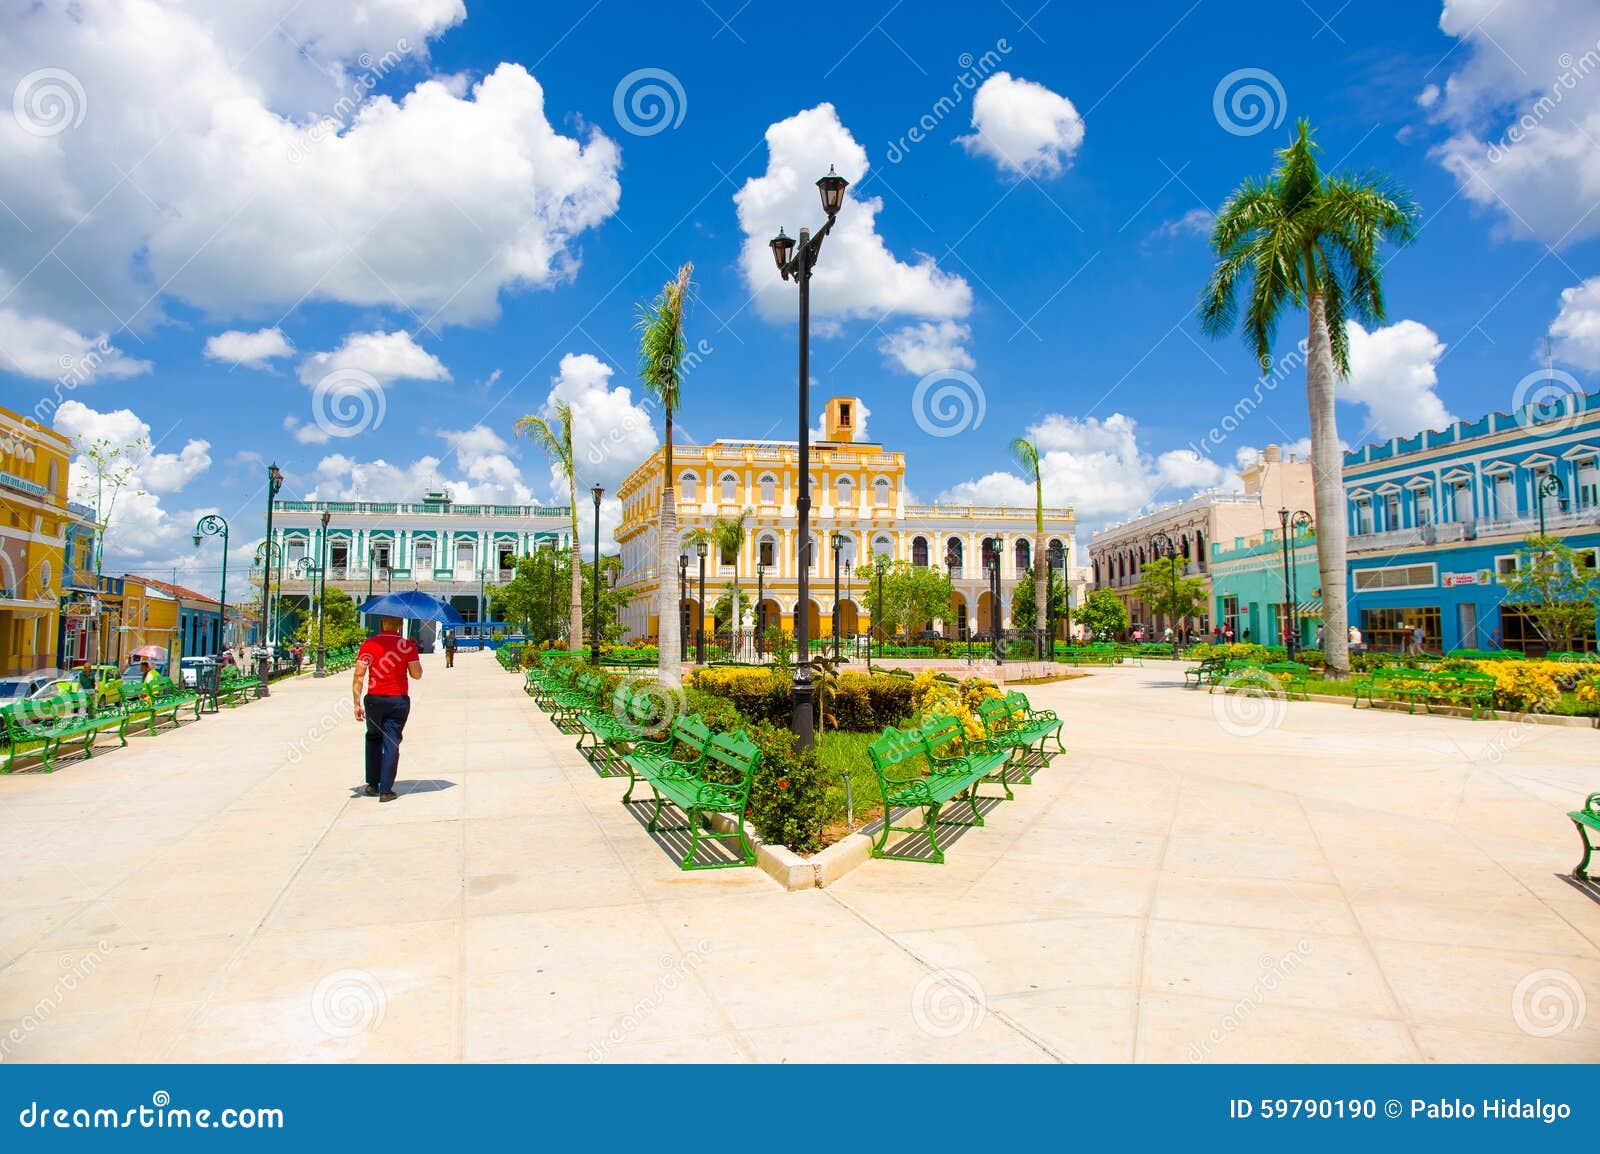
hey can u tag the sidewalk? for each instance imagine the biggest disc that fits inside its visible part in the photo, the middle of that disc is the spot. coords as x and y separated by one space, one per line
1343 886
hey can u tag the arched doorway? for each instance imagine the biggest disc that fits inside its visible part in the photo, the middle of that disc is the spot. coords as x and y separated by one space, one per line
985 621
849 619
813 619
768 614
956 625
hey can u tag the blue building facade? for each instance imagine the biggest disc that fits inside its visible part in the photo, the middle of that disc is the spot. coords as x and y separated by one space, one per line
1436 520
1250 591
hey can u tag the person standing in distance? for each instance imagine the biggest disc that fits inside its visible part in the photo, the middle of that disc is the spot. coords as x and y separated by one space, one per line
386 661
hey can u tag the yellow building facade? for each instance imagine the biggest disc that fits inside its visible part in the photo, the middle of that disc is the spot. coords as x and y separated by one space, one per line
858 492
33 518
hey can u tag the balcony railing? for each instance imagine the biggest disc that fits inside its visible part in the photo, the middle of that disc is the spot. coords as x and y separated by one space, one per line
1445 532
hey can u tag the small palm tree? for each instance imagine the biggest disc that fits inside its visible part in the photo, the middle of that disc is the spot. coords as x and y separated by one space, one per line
727 536
1027 455
661 353
1307 240
555 441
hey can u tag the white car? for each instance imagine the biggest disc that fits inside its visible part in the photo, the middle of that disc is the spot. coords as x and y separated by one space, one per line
29 685
189 669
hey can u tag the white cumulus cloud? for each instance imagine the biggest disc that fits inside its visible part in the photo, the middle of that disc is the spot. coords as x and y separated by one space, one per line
1393 373
929 347
1576 329
1024 127
252 350
385 357
857 275
37 347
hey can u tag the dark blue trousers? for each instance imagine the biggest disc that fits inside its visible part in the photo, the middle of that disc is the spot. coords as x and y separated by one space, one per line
386 723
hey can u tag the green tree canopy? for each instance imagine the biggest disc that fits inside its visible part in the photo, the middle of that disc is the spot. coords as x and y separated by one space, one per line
341 623
913 596
1165 589
539 584
1103 613
1557 588
1024 604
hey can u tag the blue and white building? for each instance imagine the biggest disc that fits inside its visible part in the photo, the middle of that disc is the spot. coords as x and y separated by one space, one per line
1436 520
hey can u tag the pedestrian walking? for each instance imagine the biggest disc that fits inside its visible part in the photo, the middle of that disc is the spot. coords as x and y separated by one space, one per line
1417 637
449 648
387 662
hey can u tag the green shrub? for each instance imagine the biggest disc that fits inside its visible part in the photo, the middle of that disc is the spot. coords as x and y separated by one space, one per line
789 794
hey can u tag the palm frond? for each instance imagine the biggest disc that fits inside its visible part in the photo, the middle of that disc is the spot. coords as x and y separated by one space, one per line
555 441
1027 455
661 339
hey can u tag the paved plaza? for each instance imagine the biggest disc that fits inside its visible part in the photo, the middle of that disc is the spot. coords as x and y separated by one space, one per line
1342 886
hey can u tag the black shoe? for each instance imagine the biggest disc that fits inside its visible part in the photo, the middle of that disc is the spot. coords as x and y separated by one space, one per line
371 791
390 796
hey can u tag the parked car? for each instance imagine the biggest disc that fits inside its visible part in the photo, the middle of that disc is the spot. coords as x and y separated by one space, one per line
189 669
28 685
97 678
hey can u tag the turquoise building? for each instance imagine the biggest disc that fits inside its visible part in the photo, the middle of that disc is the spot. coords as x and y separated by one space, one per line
1436 521
1248 589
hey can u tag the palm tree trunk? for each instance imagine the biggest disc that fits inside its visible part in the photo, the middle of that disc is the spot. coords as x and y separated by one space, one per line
575 611
1327 470
669 640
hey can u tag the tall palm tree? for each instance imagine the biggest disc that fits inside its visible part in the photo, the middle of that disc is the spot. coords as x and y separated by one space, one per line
1027 455
661 351
1309 240
555 441
727 537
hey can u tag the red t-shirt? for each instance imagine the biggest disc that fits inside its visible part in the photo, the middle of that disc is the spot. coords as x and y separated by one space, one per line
387 655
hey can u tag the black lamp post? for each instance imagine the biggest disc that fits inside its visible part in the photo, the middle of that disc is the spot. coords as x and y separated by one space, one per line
216 525
274 484
700 609
953 567
1549 486
1049 652
683 606
795 262
879 564
838 548
1289 525
761 605
552 596
1161 545
594 630
997 645
849 596
322 597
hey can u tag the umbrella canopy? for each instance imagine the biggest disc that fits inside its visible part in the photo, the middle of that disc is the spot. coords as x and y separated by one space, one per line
150 653
414 605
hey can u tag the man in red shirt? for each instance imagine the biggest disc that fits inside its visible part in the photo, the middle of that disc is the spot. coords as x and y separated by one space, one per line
386 660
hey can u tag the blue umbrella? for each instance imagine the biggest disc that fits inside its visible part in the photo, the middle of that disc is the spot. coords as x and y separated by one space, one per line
413 604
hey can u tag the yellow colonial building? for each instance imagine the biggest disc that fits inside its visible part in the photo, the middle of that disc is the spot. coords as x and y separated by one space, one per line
33 518
857 492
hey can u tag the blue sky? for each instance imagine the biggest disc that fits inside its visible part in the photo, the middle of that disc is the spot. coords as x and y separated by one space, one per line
448 212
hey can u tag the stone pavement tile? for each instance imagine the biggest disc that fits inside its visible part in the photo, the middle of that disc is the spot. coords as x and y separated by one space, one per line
1219 853
742 920
514 793
897 910
619 938
1272 967
413 1021
528 890
22 930
1189 1029
1446 1044
1501 991
94 981
1018 957
891 1037
1087 1024
438 799
134 1034
515 1016
1085 846
1266 903
719 1048
1068 889
1510 919
800 982
373 958
136 921
164 879
28 886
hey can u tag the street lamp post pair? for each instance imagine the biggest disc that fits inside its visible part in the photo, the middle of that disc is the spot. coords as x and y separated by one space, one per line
594 629
1289 525
683 606
997 643
700 608
216 525
795 261
839 542
1164 546
761 606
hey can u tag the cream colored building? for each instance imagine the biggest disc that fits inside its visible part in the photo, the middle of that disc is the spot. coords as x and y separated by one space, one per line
857 491
1119 553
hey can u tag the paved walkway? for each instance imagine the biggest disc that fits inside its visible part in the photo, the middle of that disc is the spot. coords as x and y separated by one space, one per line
1340 886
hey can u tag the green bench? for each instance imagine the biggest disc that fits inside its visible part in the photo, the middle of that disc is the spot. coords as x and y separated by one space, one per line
1091 655
701 773
922 769
237 688
1237 672
1452 687
634 716
158 697
1010 722
1208 670
41 728
1586 821
567 704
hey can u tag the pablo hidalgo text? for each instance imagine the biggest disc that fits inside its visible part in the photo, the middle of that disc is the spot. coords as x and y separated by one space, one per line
1497 1109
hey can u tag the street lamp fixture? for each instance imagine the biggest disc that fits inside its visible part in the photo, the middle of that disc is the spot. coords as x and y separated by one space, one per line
1549 486
1289 525
838 548
683 606
274 484
997 645
795 260
1164 546
322 598
700 609
594 629
216 525
761 607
